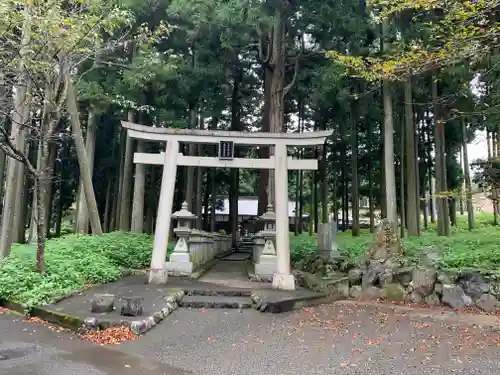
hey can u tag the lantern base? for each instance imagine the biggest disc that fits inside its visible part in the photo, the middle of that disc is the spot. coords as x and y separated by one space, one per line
267 265
180 264
158 276
283 282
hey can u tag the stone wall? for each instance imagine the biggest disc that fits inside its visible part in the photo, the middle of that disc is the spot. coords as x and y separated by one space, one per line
425 286
195 250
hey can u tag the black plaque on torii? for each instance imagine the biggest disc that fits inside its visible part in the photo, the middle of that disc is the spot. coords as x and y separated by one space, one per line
226 150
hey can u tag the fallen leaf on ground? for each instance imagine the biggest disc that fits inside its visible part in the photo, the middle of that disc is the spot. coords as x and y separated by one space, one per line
114 335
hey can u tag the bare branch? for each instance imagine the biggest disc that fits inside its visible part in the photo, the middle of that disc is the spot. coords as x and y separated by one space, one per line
11 150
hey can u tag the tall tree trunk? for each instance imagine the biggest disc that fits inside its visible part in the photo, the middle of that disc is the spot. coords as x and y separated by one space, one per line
199 182
324 186
213 192
19 231
315 200
462 185
126 182
50 186
468 185
206 201
20 116
137 224
355 177
388 136
312 211
191 175
300 187
488 144
108 207
412 199
83 160
441 185
264 150
82 221
429 167
115 218
418 188
402 180
33 235
371 197
151 202
3 164
59 208
296 227
235 180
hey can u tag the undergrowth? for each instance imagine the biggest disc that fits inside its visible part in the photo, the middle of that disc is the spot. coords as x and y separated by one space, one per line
71 262
478 250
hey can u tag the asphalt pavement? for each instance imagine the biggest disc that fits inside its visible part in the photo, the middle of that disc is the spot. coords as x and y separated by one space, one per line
341 338
35 349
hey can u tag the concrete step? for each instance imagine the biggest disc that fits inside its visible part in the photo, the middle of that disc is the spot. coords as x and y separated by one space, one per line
219 292
237 257
216 302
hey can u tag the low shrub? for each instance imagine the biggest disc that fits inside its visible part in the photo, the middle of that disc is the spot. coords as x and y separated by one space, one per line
478 249
71 262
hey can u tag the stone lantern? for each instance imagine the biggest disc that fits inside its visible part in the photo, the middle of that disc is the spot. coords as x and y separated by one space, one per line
180 262
269 219
266 265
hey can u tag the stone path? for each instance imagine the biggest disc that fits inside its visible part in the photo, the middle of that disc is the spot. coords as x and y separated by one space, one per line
340 338
232 273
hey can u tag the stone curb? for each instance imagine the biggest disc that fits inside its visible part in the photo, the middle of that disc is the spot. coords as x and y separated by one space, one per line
288 304
141 326
54 317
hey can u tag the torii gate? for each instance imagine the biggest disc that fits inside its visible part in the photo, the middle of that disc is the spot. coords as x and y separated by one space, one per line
171 159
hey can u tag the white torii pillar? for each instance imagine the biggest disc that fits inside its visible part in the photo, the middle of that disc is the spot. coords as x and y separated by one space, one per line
284 278
158 272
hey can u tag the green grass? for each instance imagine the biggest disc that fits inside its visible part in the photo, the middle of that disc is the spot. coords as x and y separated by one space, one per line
478 250
71 262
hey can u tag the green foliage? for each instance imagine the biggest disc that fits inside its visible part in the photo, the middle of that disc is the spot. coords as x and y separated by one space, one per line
71 262
476 250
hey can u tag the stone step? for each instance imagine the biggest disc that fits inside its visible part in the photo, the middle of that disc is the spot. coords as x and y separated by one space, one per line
216 302
236 257
218 293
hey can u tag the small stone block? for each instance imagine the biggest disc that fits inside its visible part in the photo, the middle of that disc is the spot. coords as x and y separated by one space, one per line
171 299
103 303
138 327
158 316
90 324
131 306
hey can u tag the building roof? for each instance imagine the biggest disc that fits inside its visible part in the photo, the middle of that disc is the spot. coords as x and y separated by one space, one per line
248 206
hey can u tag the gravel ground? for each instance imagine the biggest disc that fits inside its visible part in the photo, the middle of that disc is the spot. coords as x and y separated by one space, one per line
342 338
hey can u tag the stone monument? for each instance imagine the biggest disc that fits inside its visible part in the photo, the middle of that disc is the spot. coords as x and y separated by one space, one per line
326 240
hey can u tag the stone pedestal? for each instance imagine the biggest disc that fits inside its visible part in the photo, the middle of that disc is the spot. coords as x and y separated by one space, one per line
258 247
284 281
131 306
267 263
103 303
